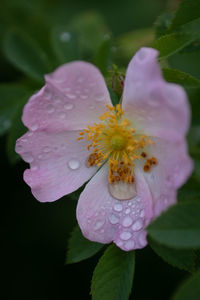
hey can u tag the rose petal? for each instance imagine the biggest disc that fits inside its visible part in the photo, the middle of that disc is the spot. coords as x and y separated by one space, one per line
58 163
74 96
156 108
103 219
173 169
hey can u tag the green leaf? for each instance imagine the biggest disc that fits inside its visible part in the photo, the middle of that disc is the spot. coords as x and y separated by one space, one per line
179 77
194 95
170 44
190 289
179 227
65 44
113 276
162 23
180 258
11 95
24 53
103 56
80 248
17 129
187 11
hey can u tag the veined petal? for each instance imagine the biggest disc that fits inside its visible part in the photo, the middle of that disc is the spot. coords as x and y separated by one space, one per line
74 96
172 170
103 219
57 161
155 107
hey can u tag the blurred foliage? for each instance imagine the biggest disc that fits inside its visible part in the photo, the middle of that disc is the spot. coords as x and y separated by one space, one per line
36 37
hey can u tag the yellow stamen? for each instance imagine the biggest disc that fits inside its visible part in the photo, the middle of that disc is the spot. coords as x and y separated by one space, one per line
114 138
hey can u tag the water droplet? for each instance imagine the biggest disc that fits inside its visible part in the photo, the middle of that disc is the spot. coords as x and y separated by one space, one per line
24 140
34 127
142 239
74 164
50 109
100 97
68 106
30 133
47 94
18 148
80 79
127 221
61 115
129 245
137 225
83 96
34 168
127 211
125 235
118 207
142 213
65 36
99 224
71 96
91 106
141 54
113 219
46 149
27 157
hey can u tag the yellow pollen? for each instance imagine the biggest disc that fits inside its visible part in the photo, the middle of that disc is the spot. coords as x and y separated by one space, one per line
115 140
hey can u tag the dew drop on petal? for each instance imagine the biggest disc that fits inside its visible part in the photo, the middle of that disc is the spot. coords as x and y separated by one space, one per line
129 245
71 96
98 224
50 109
125 235
18 148
34 127
68 106
27 157
83 96
113 219
47 94
99 97
61 115
142 213
127 211
142 54
73 164
127 221
137 225
80 79
122 190
46 149
118 207
142 239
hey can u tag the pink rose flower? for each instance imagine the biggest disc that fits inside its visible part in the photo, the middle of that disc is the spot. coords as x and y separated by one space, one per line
135 154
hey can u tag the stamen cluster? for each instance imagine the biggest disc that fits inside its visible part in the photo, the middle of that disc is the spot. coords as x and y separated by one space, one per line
114 139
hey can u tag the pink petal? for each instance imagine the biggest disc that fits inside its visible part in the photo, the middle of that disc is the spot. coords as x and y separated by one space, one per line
156 108
74 96
57 163
172 171
103 219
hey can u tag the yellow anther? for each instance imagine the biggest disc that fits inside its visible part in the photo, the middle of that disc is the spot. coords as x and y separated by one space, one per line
114 139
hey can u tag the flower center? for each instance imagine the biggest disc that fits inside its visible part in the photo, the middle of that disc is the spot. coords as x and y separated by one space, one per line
114 139
117 142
